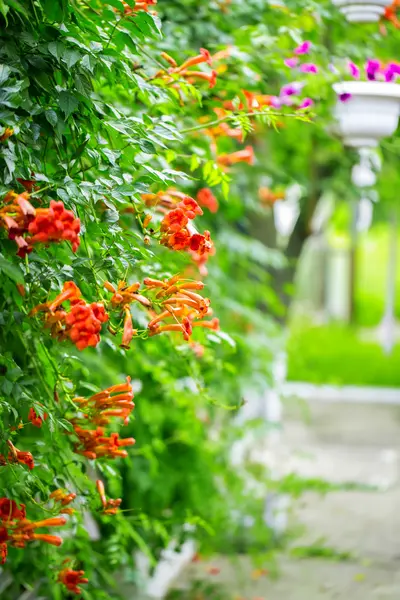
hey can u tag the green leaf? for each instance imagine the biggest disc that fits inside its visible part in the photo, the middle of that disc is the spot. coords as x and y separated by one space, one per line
51 116
68 103
4 70
146 23
17 6
88 62
118 4
57 49
55 9
71 57
4 10
11 270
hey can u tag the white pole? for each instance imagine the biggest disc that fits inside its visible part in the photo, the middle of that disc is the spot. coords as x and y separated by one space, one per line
387 326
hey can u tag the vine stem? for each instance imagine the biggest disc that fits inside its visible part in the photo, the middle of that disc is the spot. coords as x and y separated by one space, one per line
235 116
46 187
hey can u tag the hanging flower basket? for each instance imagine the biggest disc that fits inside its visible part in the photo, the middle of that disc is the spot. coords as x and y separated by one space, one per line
366 111
362 11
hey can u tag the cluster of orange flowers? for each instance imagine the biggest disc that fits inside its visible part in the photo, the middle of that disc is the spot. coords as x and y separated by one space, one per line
391 13
63 499
206 198
110 507
29 226
93 443
139 5
72 579
252 103
246 156
17 530
115 401
123 296
268 197
81 324
16 456
35 419
178 232
181 307
184 70
8 132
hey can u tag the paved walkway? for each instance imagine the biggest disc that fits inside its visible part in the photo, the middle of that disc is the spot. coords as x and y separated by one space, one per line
358 443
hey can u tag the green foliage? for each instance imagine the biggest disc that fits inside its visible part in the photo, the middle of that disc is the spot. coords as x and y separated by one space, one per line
91 115
95 126
339 355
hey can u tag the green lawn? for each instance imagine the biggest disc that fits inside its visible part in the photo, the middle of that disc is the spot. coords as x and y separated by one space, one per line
335 354
371 276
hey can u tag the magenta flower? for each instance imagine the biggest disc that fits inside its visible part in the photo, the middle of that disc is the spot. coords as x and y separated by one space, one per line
291 89
304 48
354 70
345 97
291 62
309 68
372 68
307 102
392 71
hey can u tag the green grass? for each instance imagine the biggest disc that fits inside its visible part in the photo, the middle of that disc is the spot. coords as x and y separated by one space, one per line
371 276
335 354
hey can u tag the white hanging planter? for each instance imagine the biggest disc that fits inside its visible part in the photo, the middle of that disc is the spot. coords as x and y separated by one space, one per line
362 11
370 114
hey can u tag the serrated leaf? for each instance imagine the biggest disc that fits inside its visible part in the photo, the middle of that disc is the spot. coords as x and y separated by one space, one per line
68 103
88 62
71 57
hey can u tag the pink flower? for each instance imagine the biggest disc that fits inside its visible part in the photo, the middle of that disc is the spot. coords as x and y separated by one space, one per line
392 71
307 102
291 62
371 69
291 89
345 97
309 68
304 48
354 70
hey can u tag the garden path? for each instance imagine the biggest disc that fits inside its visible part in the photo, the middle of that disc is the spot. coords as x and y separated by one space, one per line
342 443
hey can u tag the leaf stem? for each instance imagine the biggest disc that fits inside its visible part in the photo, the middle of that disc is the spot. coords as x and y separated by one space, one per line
235 116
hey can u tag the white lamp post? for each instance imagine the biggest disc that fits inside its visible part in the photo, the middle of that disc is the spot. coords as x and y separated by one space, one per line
362 11
370 113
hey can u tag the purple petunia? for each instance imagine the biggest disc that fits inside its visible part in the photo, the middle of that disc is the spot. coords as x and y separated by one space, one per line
372 68
307 102
304 48
354 70
345 97
392 71
309 68
291 62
